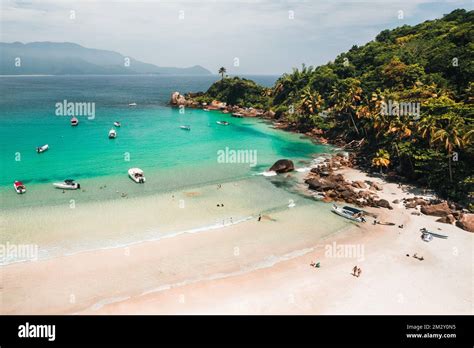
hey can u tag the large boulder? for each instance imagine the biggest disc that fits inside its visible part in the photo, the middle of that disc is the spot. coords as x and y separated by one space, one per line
177 99
448 219
283 166
319 184
383 203
466 222
441 209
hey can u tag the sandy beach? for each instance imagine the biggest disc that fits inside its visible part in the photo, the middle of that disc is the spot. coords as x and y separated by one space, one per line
261 267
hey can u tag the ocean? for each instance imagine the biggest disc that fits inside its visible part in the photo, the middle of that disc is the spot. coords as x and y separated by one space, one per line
182 168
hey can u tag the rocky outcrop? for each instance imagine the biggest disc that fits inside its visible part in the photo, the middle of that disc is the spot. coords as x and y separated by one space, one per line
448 219
359 184
466 222
333 187
283 166
375 186
177 99
441 209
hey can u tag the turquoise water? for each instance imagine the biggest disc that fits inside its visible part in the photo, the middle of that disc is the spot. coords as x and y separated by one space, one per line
149 138
185 181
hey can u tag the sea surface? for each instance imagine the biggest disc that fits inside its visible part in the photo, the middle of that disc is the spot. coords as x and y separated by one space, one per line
178 164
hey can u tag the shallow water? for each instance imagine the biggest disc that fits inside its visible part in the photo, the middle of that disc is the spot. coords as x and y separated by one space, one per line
182 168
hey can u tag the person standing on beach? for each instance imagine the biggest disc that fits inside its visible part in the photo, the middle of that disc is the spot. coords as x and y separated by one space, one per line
359 272
354 270
259 217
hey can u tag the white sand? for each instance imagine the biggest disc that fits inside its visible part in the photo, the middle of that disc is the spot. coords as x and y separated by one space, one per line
229 271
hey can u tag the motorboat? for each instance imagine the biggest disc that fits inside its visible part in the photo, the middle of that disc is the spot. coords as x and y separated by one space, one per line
206 109
74 121
19 187
426 237
132 104
68 184
112 134
42 148
136 174
185 127
349 213
237 114
223 123
429 235
117 124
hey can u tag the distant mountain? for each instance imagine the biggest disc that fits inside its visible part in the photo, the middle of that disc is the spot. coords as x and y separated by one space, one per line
65 58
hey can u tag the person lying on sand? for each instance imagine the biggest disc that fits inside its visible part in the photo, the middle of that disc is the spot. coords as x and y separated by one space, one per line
421 258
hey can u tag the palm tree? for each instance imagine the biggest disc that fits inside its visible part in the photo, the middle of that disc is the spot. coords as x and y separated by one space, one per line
381 160
452 135
346 97
222 71
310 102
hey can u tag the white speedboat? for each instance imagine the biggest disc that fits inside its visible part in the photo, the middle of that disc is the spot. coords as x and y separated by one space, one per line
68 184
112 134
42 148
206 109
349 213
19 187
185 127
223 123
132 104
74 121
136 174
117 124
427 237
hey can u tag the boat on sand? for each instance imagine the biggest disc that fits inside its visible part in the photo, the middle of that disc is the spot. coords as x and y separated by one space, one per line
136 174
19 187
68 184
350 213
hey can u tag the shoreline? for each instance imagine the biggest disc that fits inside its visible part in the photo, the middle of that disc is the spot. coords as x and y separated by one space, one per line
200 273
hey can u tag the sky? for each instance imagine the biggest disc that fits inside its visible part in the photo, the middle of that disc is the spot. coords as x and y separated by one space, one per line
245 36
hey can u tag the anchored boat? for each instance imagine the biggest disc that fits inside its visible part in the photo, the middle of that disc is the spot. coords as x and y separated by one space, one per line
112 134
349 213
68 184
117 124
42 148
185 127
136 174
74 121
19 187
223 123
